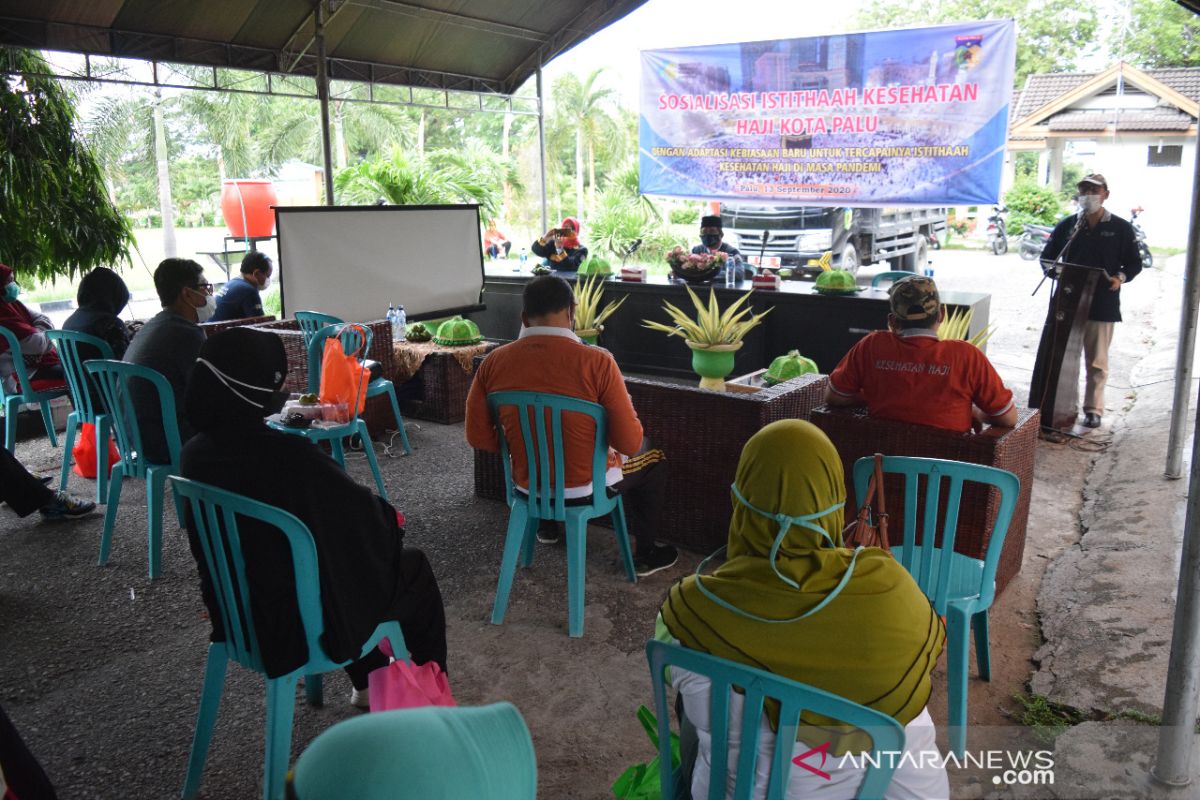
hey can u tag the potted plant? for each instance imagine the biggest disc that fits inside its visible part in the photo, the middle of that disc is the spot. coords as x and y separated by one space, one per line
589 318
714 336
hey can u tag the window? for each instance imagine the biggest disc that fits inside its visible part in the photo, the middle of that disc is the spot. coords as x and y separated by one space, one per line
1169 155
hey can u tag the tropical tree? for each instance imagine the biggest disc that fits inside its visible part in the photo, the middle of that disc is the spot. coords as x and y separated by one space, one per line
56 218
357 129
623 216
582 109
1160 33
442 177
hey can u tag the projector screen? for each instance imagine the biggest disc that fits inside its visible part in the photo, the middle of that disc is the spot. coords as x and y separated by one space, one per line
351 261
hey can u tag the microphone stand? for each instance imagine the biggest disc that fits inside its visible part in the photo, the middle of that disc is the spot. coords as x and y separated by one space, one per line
762 250
1061 255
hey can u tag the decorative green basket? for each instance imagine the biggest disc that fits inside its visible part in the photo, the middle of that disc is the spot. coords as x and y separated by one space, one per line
837 281
457 332
786 367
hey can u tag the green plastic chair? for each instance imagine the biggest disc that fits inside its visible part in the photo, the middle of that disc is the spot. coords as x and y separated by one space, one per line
215 513
892 276
961 588
335 434
545 498
85 397
481 753
312 321
887 735
114 379
40 395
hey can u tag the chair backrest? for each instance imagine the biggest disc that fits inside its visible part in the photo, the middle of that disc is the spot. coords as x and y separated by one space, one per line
919 559
541 420
482 753
18 364
215 513
313 321
85 393
352 335
892 276
887 735
115 378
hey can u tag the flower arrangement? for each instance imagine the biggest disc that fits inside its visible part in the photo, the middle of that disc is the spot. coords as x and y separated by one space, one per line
711 326
685 264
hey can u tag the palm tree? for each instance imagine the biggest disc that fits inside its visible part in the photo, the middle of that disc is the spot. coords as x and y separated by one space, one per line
443 176
358 128
582 107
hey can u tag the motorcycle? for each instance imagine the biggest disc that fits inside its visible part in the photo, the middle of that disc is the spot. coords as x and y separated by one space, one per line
1033 240
997 232
1140 235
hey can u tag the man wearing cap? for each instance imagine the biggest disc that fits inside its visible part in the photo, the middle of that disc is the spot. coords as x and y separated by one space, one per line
906 373
1095 237
711 234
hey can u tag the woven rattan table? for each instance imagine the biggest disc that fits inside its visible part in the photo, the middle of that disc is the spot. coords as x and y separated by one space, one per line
443 379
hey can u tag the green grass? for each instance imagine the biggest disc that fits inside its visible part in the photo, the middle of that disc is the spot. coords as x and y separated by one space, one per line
1046 719
1167 252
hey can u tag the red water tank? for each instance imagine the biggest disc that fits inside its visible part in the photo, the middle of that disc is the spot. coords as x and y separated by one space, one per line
246 205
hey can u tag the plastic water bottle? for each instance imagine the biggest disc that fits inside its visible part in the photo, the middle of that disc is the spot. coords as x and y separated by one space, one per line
391 318
399 324
732 267
524 257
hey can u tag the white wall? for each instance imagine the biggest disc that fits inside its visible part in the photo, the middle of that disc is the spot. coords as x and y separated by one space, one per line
1164 192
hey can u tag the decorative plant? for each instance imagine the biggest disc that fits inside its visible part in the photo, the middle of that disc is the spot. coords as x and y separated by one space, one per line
956 325
588 314
711 326
694 262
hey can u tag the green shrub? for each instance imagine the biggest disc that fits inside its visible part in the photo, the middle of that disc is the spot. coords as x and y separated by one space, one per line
684 216
1028 202
619 220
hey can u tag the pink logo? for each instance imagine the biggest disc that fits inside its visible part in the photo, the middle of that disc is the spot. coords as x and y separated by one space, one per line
823 750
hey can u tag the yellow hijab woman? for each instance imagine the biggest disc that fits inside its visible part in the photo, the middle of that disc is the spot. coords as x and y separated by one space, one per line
791 600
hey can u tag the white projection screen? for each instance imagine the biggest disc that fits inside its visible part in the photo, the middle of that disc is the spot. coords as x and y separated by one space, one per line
351 261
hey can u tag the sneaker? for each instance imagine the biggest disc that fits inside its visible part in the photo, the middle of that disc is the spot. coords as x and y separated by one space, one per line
359 698
67 507
1091 420
549 532
662 556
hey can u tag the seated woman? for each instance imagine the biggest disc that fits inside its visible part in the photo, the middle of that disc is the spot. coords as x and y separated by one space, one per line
853 623
102 296
560 247
367 575
30 329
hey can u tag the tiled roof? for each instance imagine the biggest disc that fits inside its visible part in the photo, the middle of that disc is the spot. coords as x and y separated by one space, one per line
1158 119
1185 80
1042 89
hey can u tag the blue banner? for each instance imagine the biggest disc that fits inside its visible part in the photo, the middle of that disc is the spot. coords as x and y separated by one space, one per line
909 117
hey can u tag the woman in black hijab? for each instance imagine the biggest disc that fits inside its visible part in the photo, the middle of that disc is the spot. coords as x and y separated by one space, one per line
367 576
101 297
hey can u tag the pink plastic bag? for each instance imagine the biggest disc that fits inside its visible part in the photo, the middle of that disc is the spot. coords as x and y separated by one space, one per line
402 685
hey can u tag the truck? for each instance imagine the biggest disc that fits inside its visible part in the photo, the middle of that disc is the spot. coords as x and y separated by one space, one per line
855 236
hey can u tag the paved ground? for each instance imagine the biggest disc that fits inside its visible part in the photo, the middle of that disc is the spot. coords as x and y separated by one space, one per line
101 669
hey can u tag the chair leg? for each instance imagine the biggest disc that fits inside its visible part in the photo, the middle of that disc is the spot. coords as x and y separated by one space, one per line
390 388
517 520
72 424
156 484
338 451
314 690
528 544
576 563
281 708
110 510
12 406
369 451
621 529
206 717
983 647
103 430
48 421
958 643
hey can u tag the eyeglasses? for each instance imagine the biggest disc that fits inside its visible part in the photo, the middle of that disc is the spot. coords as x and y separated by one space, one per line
204 286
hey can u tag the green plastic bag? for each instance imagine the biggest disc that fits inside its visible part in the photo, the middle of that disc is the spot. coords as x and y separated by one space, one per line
644 781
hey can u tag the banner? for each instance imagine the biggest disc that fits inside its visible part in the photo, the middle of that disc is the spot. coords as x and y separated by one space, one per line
909 117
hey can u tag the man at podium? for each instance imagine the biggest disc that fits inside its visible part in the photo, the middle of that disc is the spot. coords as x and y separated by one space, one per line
1095 237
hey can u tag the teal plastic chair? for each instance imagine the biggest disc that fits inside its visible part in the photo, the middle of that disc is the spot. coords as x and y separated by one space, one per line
892 276
27 396
545 498
215 513
312 321
114 379
961 588
335 434
85 397
887 735
481 753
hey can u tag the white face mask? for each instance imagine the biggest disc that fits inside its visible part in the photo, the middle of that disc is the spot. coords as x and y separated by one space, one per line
265 284
1089 203
204 313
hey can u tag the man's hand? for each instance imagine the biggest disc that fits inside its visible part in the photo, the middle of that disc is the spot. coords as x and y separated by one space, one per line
1114 283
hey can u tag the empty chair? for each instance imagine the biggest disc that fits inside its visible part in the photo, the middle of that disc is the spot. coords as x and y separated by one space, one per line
313 321
961 588
34 392
891 276
541 431
481 753
72 346
116 379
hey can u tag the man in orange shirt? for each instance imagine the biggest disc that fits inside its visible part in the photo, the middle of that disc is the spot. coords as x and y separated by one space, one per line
548 357
908 374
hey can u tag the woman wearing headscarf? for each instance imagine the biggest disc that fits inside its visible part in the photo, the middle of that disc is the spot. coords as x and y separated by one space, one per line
101 297
789 599
367 575
41 360
560 247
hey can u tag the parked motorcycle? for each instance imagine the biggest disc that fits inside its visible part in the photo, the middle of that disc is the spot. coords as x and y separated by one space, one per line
997 231
1143 248
1033 240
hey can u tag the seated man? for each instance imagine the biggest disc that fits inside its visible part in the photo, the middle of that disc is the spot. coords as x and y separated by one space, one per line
711 235
168 343
240 297
908 374
25 493
39 355
549 357
367 575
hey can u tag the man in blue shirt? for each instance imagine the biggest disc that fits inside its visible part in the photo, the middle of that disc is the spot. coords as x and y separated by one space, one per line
240 299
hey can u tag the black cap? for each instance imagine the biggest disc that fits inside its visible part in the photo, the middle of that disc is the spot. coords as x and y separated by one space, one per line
710 222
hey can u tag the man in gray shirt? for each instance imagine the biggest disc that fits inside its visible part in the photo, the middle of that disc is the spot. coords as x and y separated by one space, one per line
169 344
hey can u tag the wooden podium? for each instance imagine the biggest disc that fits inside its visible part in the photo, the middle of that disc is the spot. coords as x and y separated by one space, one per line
1055 385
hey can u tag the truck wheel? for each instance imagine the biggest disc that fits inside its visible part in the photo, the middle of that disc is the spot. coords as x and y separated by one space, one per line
850 259
916 261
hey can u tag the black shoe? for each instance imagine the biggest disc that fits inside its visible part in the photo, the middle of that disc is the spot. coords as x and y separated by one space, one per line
67 507
662 556
1091 420
549 532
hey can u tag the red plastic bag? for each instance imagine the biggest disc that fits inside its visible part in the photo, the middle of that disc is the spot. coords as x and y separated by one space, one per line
402 685
84 452
343 377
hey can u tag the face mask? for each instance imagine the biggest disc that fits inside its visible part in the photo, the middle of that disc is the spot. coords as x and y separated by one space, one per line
11 292
266 282
204 313
711 239
1089 203
275 399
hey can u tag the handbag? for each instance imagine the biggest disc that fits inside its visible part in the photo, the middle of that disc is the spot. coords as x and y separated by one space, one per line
402 685
343 377
870 527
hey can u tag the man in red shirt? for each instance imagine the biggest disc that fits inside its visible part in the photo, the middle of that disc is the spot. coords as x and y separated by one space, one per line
906 373
548 357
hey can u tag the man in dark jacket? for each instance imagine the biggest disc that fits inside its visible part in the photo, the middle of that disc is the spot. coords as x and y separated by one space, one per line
712 236
1095 237
240 298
